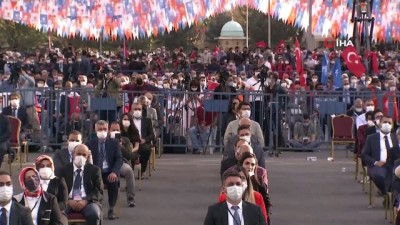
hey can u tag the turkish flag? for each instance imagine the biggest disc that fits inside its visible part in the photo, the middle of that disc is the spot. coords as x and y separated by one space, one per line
353 61
299 62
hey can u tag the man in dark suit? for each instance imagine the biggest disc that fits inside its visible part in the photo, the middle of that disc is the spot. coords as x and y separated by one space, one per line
244 133
146 133
106 154
233 211
5 134
63 156
375 154
85 186
393 154
16 110
11 211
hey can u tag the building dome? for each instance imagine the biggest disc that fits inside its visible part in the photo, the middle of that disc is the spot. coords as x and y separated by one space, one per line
232 29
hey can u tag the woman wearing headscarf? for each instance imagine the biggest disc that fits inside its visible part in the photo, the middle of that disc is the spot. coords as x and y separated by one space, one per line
52 184
44 206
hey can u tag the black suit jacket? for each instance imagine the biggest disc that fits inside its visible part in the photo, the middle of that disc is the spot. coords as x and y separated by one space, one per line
5 129
372 148
113 153
58 188
146 130
19 214
61 158
92 181
218 214
257 150
21 115
48 202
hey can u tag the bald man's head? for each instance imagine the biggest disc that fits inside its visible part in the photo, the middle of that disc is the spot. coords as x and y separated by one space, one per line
242 149
245 121
81 150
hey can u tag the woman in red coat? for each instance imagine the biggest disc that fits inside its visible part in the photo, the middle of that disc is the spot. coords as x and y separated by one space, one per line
249 195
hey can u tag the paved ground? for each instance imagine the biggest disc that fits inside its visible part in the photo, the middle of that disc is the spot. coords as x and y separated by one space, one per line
302 192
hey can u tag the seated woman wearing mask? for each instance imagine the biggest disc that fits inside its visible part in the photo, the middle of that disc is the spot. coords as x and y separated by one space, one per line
248 194
52 184
44 206
249 162
129 130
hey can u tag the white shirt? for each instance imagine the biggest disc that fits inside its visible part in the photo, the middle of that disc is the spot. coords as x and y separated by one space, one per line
231 221
44 184
361 120
83 193
383 155
8 208
33 203
138 125
254 84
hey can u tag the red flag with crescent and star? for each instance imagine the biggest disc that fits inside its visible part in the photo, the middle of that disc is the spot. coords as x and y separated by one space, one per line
299 62
353 61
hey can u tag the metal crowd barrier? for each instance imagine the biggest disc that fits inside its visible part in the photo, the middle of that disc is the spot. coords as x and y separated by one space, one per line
61 111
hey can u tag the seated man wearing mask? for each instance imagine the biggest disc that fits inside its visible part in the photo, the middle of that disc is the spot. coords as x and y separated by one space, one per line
16 110
375 154
244 133
63 156
244 111
368 106
304 135
85 186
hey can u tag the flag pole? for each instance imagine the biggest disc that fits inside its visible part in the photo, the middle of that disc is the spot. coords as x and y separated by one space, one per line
269 23
247 24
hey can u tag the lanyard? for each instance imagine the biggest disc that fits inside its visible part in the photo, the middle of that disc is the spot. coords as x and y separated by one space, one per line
234 220
34 206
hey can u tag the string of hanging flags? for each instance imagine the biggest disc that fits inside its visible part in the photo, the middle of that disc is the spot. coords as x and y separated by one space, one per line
140 18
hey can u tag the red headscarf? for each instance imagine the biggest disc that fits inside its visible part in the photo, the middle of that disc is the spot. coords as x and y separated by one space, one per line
38 192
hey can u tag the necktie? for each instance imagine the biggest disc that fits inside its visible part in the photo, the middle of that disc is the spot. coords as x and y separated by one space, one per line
236 216
3 217
101 155
387 144
14 112
77 183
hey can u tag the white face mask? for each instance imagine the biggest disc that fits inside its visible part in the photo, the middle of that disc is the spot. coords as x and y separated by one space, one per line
72 145
126 123
353 81
137 114
101 134
358 109
83 83
166 86
203 83
79 161
113 133
246 138
46 173
14 103
346 87
314 79
246 113
370 123
6 193
194 89
386 128
40 85
370 108
234 192
251 173
392 88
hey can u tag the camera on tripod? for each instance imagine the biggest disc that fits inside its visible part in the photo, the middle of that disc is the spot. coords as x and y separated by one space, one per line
263 75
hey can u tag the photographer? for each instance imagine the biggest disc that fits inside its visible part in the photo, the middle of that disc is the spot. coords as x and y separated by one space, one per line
224 87
109 87
304 135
